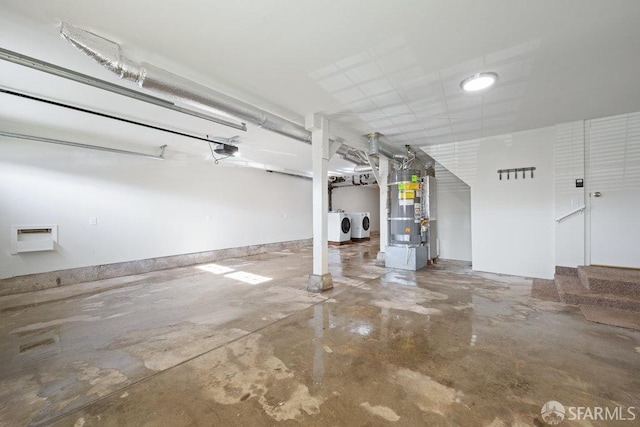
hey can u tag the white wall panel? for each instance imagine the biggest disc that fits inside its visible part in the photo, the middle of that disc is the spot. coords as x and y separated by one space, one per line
454 215
144 208
359 199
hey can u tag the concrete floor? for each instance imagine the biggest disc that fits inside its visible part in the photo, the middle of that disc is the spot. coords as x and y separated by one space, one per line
193 346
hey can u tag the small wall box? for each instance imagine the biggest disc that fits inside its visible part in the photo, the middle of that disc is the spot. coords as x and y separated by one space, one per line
33 238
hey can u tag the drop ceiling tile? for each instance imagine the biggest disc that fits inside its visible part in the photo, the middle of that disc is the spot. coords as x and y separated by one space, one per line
467 136
514 71
392 132
379 123
500 120
387 99
464 126
451 87
354 60
364 73
505 92
398 120
397 110
349 96
391 44
498 108
335 83
415 134
324 72
441 139
414 127
429 109
434 132
463 69
376 87
362 106
395 61
346 120
406 77
420 92
473 113
422 81
523 49
464 102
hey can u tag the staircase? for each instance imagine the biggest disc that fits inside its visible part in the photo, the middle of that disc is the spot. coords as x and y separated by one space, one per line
604 295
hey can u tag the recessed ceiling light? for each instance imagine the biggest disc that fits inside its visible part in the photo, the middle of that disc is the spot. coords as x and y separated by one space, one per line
479 81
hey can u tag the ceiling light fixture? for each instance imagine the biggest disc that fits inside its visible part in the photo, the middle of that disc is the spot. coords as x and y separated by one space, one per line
479 81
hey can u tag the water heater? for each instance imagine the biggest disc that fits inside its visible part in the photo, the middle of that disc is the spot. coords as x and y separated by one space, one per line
405 219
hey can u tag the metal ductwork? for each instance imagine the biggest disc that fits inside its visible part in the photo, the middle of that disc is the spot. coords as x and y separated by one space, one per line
376 148
147 76
364 168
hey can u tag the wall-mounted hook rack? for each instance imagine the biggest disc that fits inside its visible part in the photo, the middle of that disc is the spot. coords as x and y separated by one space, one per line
515 172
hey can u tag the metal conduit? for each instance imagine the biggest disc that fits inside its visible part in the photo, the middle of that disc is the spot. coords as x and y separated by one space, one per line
79 145
55 70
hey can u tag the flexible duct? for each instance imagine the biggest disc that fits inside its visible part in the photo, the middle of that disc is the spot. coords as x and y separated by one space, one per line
147 76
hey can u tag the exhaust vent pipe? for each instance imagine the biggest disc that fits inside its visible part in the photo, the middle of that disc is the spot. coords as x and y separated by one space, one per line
147 76
376 148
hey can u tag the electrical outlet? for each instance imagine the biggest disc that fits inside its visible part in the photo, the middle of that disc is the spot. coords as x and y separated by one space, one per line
574 202
93 220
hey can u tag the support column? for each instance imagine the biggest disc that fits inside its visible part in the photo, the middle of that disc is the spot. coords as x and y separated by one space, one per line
383 172
320 279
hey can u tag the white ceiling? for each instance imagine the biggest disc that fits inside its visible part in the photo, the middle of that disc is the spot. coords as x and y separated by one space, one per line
376 65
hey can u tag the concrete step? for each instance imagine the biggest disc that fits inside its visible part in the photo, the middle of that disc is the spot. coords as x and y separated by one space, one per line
544 290
571 291
567 271
611 281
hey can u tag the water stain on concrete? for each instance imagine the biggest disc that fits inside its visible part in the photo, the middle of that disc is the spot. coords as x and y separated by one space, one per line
246 367
162 348
36 344
381 411
102 381
20 401
424 392
38 326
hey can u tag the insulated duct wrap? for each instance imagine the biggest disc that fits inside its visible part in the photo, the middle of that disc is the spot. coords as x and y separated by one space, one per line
147 76
150 77
376 148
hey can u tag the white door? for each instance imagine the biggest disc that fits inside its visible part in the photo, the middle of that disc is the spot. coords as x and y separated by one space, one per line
613 182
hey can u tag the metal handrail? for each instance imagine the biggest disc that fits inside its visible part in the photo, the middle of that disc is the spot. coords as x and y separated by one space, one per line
568 214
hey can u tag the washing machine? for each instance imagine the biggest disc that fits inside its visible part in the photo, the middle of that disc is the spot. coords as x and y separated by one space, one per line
360 225
339 227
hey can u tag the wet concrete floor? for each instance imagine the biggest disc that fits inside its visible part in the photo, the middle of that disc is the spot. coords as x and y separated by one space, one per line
241 343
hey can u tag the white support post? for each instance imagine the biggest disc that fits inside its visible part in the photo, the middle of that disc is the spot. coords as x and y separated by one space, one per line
383 178
320 279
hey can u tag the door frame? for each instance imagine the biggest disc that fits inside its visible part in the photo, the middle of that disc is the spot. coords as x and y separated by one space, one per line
587 192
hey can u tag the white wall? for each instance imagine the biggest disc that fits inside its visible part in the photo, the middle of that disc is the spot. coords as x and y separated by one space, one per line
359 199
512 221
569 166
454 215
145 208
